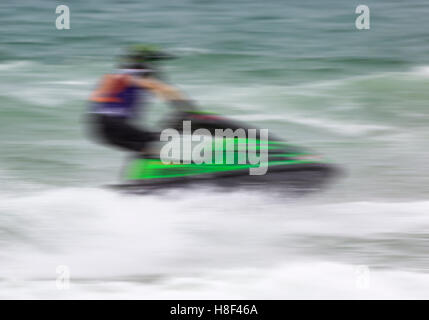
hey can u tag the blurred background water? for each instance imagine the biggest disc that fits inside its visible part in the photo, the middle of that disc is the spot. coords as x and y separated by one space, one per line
299 68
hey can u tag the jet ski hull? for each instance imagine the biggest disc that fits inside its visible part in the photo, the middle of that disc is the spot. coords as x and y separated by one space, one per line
288 167
299 177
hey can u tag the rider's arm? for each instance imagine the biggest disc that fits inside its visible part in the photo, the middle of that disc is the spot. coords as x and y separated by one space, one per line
160 88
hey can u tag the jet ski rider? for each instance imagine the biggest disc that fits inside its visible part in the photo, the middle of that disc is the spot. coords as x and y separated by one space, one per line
115 102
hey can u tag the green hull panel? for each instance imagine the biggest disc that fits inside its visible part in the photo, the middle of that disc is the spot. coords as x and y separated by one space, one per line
143 169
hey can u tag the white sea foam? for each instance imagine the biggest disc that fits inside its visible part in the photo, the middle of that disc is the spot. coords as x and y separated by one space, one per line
342 128
14 65
296 280
191 50
211 245
422 71
82 83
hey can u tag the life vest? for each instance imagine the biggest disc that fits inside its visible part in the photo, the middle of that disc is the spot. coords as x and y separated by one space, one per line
116 95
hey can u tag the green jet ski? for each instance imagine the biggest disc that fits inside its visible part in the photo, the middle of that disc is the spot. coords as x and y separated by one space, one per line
284 167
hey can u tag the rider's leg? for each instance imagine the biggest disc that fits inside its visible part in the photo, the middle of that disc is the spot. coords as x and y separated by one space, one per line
119 132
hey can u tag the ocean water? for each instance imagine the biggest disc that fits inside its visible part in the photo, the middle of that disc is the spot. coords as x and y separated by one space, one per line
299 68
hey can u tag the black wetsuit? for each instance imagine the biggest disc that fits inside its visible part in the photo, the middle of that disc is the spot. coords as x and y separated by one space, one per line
120 132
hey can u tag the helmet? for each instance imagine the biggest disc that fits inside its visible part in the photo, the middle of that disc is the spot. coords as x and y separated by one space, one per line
142 59
142 53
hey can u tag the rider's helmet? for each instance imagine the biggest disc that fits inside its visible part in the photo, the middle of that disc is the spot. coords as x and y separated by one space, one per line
143 60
